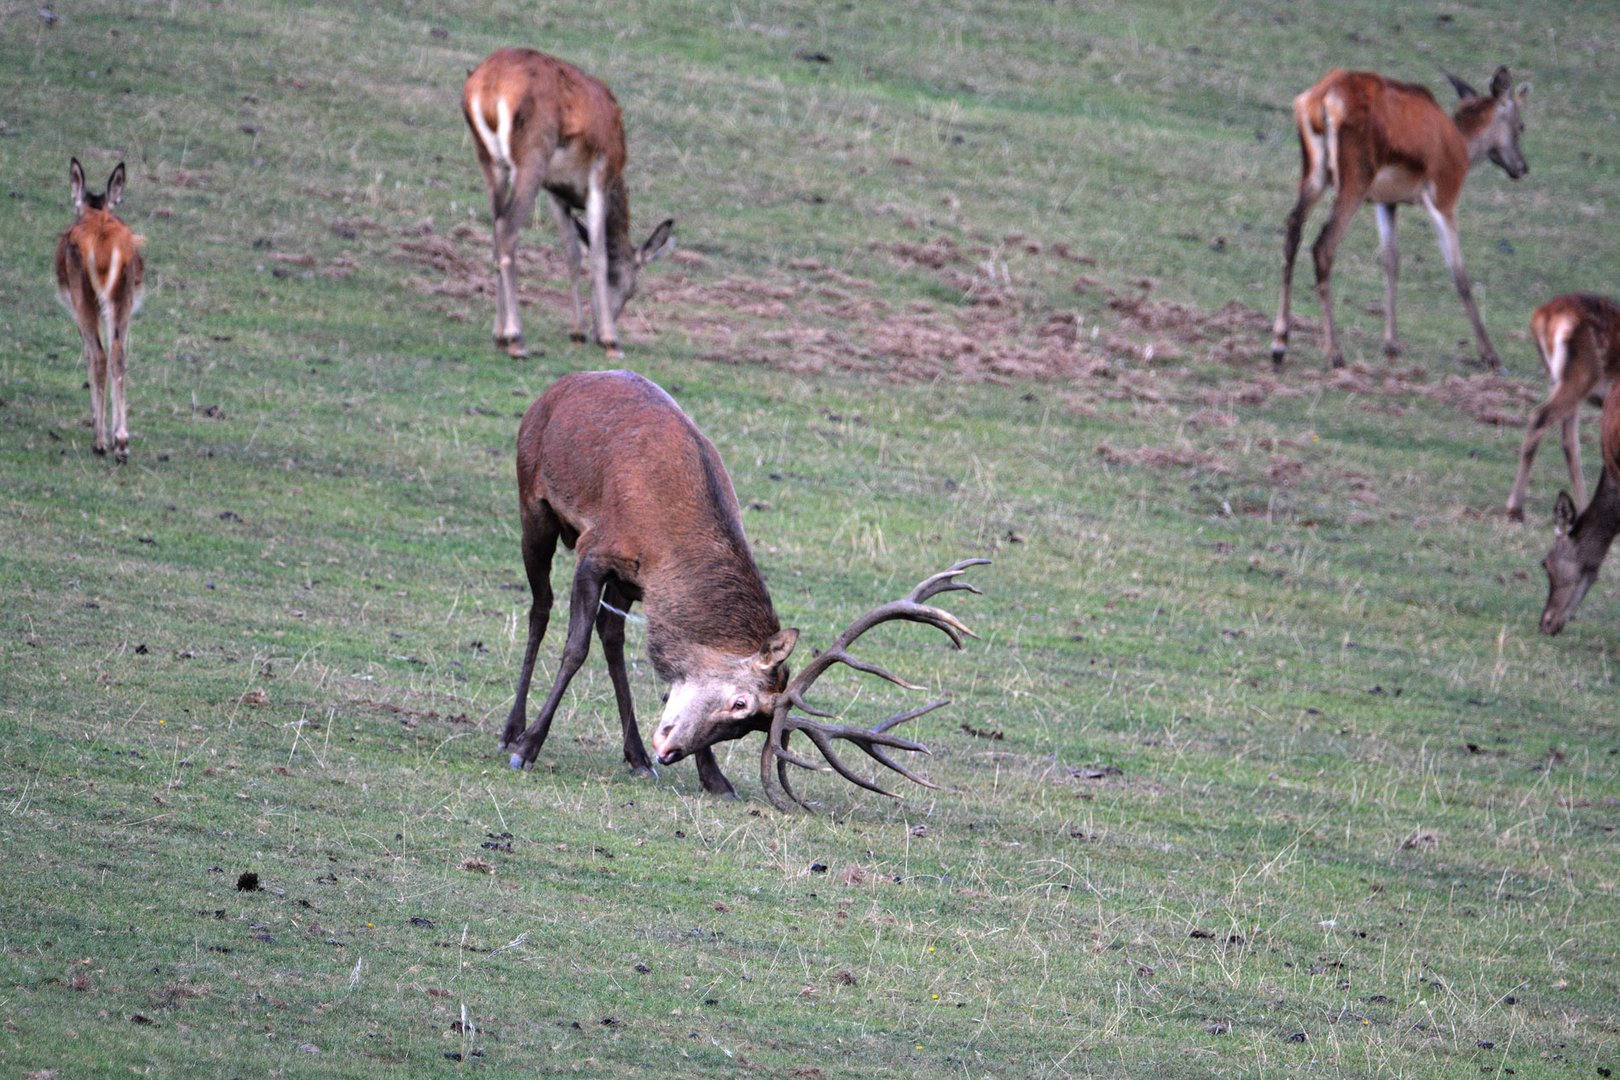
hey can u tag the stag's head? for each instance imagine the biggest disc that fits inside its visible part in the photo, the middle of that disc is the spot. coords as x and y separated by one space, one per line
727 697
85 199
1497 119
1571 568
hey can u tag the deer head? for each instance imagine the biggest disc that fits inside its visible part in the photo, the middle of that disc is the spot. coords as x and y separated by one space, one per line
1498 138
753 693
625 268
1572 563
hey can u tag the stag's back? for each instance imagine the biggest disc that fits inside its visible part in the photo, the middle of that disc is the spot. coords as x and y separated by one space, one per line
634 482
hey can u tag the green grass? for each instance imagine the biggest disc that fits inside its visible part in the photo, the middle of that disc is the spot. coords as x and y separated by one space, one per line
1286 780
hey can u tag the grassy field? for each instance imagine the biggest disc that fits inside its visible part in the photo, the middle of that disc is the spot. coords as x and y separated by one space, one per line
1260 765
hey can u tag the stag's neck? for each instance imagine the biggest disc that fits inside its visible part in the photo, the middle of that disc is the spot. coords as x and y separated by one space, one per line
713 601
1595 529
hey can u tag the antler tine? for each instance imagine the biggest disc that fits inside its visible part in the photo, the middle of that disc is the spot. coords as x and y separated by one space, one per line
876 740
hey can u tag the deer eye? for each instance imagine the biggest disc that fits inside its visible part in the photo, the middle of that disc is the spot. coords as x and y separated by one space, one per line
740 705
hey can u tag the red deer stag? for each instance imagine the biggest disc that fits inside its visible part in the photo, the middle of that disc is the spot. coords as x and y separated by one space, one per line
1578 336
1581 542
1376 140
539 123
99 279
608 463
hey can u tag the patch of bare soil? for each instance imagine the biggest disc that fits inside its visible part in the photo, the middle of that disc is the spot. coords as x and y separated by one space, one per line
809 317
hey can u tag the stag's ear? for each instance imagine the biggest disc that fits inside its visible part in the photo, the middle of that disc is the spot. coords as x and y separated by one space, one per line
1524 93
776 651
115 186
660 243
1501 82
1563 514
1462 88
76 178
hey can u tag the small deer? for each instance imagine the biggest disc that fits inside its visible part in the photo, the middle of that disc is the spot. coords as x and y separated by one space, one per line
1578 336
99 279
609 464
1376 140
541 124
1581 541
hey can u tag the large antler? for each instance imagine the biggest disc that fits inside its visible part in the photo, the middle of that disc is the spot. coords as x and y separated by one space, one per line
872 741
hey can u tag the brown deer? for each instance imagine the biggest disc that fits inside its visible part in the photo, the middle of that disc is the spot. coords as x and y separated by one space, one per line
609 464
1377 140
1581 541
541 124
99 279
1578 336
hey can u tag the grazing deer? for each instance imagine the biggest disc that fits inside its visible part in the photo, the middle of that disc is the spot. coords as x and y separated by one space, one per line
609 464
1376 140
539 123
1581 541
1578 336
99 279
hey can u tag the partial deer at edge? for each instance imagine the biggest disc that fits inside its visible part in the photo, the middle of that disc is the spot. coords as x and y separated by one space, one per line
610 465
1578 336
1372 139
1580 541
100 279
540 124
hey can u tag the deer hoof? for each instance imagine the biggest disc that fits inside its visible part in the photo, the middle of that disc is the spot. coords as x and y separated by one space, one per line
1516 513
518 763
98 450
1336 361
1392 349
578 338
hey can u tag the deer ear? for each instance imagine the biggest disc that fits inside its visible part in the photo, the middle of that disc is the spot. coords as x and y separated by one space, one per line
1462 88
1563 514
1524 92
660 243
115 186
776 651
1501 82
76 178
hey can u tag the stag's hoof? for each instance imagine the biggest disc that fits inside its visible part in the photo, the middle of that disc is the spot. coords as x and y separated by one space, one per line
518 763
643 772
1392 349
1336 361
578 338
121 455
611 348
1516 513
98 450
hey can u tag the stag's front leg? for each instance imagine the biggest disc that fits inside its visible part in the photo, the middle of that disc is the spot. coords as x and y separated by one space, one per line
539 545
610 628
1390 256
589 577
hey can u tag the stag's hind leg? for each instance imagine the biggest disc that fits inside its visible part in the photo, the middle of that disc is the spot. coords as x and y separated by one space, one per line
1389 254
95 361
540 531
1445 229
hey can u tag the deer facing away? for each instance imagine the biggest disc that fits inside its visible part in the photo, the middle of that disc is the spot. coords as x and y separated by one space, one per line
1578 336
610 465
540 124
100 278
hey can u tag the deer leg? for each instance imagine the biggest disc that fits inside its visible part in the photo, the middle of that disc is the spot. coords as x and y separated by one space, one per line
1312 182
1445 228
539 545
1345 206
589 578
509 221
1390 256
709 775
1540 420
571 253
1572 457
118 335
610 628
95 359
607 335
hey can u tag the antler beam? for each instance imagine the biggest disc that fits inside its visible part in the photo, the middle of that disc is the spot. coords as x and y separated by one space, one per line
872 741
